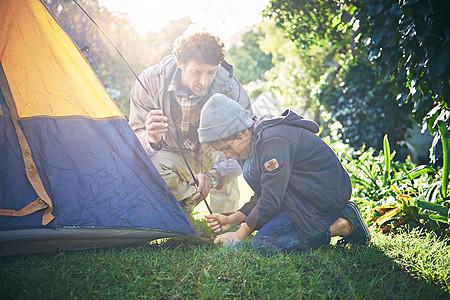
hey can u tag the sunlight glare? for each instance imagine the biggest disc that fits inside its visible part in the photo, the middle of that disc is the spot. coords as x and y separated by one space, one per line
225 18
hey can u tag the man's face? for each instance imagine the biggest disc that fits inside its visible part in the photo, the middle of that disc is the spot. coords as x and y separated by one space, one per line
197 76
237 148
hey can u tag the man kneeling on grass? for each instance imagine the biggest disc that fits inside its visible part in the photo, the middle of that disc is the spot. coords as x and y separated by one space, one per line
301 189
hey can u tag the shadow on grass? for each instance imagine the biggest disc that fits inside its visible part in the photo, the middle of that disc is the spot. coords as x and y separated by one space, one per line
192 267
368 272
353 272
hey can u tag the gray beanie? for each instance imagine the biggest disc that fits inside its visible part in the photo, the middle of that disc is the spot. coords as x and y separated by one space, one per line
222 117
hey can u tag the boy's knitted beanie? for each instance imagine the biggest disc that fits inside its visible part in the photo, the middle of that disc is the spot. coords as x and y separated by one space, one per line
221 118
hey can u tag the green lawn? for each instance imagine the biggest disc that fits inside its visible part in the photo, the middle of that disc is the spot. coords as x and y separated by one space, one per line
397 266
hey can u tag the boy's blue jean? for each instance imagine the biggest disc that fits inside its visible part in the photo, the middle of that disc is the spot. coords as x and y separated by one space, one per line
278 235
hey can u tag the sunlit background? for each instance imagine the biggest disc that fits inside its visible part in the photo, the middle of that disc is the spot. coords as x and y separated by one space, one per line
285 56
225 18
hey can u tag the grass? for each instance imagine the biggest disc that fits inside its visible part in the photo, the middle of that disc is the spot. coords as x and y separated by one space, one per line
397 266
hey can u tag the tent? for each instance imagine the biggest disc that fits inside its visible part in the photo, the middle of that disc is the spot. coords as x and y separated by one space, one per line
73 174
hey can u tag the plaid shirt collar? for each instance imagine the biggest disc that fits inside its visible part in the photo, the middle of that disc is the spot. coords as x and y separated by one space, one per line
190 107
173 82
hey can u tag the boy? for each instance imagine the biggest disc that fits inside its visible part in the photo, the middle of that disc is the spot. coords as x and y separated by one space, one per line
301 189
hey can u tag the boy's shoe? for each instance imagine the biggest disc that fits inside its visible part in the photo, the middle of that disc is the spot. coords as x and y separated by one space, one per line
359 234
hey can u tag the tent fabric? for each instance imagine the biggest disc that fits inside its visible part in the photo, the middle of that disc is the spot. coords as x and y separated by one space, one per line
56 80
71 167
30 166
39 240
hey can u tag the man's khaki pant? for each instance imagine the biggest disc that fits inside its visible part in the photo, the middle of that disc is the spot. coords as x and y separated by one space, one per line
175 173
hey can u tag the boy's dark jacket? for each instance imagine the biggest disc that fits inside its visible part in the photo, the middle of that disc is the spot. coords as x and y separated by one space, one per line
309 182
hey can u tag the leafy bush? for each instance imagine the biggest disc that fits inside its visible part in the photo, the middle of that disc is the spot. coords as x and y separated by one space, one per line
410 41
365 107
397 194
249 61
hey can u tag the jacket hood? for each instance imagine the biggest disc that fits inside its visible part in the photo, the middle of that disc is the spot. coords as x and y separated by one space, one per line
288 117
167 66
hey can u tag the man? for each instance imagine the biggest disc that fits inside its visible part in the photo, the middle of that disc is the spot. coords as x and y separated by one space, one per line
180 85
301 189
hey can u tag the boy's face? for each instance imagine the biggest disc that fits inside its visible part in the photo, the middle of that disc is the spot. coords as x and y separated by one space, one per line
197 76
237 148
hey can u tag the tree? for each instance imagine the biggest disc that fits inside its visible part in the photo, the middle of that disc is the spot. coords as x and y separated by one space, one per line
249 61
359 102
308 22
407 40
295 71
156 45
410 41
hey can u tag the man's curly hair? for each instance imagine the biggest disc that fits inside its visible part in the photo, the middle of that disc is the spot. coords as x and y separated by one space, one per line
202 47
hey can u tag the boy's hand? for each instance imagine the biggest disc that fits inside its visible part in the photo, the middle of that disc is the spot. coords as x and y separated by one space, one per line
218 222
233 238
228 239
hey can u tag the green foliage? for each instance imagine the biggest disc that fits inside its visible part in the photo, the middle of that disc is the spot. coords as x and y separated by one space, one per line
310 22
411 41
397 194
364 106
295 71
249 61
445 138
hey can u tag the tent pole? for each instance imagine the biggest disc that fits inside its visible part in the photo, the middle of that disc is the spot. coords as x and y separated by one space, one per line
149 97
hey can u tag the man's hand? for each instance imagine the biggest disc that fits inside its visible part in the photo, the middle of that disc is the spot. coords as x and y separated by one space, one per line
204 187
155 125
204 184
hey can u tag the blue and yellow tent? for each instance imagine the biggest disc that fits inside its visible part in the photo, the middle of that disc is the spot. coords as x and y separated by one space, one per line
73 175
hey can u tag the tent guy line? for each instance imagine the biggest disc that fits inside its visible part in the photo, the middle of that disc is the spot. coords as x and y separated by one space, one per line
148 95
